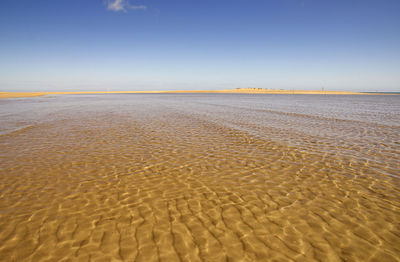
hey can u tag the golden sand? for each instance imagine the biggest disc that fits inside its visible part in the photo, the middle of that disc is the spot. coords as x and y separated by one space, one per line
167 186
242 90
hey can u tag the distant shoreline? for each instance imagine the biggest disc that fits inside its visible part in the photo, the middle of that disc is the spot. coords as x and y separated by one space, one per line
226 91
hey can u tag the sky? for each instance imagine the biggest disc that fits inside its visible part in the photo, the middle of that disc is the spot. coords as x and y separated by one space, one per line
88 45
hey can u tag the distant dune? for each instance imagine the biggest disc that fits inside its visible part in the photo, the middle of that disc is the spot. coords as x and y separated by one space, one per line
282 91
238 90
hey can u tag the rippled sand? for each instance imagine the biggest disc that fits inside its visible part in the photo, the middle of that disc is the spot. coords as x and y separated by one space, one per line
182 179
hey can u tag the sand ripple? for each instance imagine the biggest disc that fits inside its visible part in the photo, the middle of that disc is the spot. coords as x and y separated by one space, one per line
173 184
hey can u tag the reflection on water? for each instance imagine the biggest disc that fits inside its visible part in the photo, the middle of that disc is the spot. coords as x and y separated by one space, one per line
200 177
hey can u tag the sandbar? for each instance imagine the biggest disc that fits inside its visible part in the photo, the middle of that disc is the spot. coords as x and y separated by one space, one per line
238 90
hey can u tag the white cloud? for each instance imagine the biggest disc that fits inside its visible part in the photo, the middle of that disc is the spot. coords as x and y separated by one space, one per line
116 5
123 5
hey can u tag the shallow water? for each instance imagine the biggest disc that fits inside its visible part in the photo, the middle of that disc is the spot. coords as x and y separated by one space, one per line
200 177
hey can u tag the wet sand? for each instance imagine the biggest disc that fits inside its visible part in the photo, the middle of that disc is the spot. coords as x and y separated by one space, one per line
176 178
240 91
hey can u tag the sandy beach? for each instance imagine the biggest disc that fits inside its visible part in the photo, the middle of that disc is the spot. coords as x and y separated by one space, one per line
288 151
239 91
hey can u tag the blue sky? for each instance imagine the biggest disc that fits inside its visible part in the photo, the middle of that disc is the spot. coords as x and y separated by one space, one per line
66 45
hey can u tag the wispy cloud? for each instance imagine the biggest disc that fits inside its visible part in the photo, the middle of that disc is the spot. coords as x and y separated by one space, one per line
136 7
123 5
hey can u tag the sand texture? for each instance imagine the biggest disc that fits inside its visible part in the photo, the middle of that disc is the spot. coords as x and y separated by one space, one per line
155 179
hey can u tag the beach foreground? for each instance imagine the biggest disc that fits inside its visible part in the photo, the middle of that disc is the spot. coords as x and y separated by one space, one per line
200 177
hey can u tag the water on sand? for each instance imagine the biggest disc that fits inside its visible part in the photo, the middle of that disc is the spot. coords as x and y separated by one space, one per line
200 177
